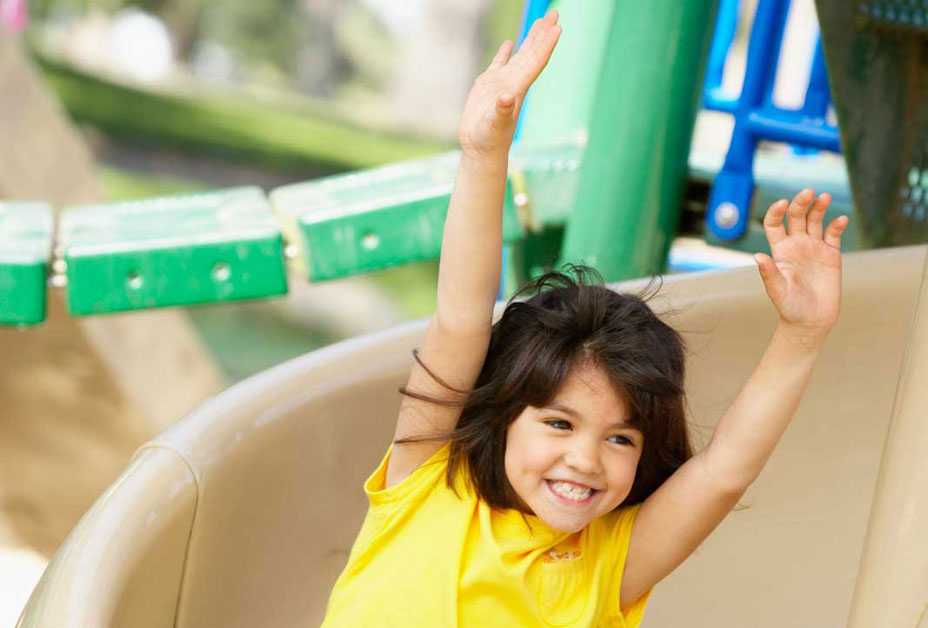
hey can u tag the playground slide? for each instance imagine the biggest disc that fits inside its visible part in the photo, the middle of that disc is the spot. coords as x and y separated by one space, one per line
243 513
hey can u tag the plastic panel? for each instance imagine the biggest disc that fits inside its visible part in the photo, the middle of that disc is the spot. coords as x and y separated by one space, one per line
217 246
384 217
25 248
878 75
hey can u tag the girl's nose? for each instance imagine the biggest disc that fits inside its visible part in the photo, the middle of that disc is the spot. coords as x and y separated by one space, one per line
583 458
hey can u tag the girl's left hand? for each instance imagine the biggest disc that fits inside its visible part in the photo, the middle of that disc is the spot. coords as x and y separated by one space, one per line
803 279
492 108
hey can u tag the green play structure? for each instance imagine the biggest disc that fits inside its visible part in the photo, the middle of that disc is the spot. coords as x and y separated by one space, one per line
598 175
232 244
242 513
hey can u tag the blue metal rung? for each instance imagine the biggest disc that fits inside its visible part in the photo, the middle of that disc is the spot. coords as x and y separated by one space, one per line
756 117
726 26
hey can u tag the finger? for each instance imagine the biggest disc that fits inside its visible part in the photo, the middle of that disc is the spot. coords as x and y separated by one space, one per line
774 281
797 212
529 39
534 54
502 55
547 20
816 215
833 233
773 222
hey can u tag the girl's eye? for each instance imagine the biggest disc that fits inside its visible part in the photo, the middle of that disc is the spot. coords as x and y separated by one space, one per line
558 424
621 440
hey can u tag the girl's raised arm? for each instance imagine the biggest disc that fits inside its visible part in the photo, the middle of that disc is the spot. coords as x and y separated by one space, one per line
458 334
803 281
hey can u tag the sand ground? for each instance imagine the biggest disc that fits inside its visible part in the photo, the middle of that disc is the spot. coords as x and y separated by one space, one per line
65 433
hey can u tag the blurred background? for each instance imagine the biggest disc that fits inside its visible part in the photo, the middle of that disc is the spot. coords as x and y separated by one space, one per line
160 97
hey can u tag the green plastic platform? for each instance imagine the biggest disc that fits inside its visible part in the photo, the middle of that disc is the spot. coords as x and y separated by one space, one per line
375 219
369 220
217 246
25 249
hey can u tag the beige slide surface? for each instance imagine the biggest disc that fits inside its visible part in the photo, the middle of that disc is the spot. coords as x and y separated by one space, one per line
242 514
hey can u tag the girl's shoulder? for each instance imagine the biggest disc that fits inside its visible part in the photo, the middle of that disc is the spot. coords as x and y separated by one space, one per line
615 528
423 478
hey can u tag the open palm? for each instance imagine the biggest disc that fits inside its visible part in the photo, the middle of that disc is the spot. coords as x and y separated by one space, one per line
803 278
492 107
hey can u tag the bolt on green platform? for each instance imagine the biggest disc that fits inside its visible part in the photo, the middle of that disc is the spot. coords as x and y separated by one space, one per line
180 250
643 108
26 231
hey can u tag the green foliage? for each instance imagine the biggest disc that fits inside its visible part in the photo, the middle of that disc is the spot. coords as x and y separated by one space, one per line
122 185
269 30
246 338
413 287
502 23
301 139
42 9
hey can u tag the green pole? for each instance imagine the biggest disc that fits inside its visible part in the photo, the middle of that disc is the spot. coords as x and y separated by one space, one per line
635 164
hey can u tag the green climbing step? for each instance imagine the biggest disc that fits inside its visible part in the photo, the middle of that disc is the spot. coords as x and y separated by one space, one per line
25 249
375 219
181 250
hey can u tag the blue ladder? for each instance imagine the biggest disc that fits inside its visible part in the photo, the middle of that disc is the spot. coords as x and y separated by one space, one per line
756 116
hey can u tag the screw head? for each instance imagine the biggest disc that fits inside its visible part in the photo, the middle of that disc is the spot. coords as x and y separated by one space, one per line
221 272
370 241
727 214
134 280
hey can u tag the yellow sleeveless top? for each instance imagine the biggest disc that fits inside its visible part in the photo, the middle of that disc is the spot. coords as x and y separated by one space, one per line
428 557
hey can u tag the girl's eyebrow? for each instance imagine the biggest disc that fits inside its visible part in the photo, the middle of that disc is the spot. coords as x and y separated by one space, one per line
561 407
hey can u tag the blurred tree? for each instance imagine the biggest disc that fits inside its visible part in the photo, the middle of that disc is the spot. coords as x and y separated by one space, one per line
318 61
264 32
437 64
183 19
363 38
502 22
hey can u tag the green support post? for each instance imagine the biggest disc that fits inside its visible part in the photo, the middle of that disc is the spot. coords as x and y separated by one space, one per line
641 123
557 112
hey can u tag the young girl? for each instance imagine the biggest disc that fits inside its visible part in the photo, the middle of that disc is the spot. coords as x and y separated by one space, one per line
541 472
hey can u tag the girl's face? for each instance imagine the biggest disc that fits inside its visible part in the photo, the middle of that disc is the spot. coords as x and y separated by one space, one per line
575 459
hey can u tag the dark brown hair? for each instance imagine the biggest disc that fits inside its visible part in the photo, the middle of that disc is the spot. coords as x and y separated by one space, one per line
566 321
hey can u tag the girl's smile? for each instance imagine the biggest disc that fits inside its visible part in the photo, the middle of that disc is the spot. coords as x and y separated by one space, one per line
571 493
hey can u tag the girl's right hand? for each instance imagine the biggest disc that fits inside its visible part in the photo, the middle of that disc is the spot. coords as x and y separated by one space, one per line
492 107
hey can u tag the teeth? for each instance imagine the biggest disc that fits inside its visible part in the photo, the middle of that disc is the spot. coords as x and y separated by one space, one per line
571 491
